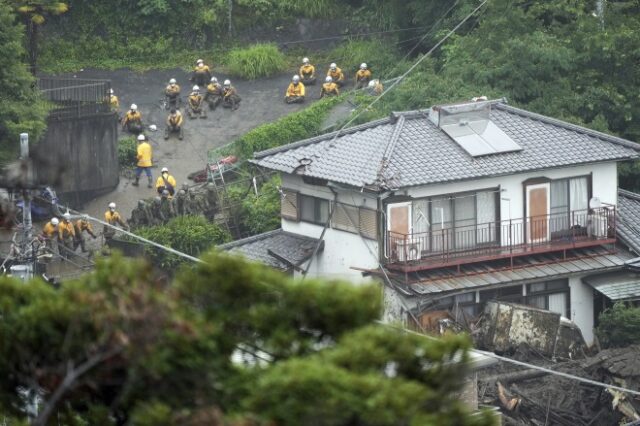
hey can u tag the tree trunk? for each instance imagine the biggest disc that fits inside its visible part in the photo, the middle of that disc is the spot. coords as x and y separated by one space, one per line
32 43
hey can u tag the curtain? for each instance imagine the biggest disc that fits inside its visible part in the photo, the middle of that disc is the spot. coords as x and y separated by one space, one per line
558 303
486 216
578 201
559 220
441 224
420 222
465 220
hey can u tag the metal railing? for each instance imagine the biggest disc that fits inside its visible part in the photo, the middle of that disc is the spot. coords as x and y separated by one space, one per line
535 233
75 97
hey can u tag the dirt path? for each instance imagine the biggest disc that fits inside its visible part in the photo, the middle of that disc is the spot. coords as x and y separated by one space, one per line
262 102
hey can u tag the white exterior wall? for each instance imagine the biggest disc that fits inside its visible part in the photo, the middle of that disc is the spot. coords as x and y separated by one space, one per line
581 296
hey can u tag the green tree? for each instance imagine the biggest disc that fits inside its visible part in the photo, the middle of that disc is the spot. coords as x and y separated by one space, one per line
120 346
21 109
619 326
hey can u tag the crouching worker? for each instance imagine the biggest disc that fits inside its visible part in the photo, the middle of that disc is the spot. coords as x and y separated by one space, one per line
196 103
295 91
214 94
174 124
307 72
81 226
363 77
172 94
132 120
329 88
336 74
166 182
112 217
230 96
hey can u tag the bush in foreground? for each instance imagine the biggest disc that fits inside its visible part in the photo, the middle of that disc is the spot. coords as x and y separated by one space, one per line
619 326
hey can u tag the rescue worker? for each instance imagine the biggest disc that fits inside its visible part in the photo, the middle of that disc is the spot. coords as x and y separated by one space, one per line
307 72
196 102
66 234
138 217
50 234
132 120
336 74
144 160
166 206
158 217
174 124
230 98
375 87
112 217
80 226
114 103
329 88
201 74
363 76
166 182
178 202
214 94
295 91
172 93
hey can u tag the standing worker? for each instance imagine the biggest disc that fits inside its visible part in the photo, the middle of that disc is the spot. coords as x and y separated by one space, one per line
295 91
66 234
132 121
114 103
329 88
50 234
230 96
174 124
112 217
201 73
172 93
336 74
196 102
166 182
144 160
307 72
214 94
82 225
363 76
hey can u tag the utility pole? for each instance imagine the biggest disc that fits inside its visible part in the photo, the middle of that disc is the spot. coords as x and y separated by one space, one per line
600 9
27 225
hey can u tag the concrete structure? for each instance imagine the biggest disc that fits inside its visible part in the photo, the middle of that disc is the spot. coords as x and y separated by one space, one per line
457 205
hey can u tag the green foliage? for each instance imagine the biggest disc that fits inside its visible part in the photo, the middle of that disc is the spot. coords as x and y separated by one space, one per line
257 214
381 57
127 152
189 234
619 326
21 109
259 60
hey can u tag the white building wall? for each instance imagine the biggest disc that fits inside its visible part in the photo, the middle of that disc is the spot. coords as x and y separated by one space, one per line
581 296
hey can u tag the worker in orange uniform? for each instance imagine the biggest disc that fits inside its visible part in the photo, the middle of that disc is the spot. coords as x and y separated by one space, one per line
214 94
196 104
50 234
375 87
201 74
112 217
166 182
144 160
114 103
230 97
174 124
329 88
295 91
132 120
66 234
172 94
80 226
336 74
307 72
363 76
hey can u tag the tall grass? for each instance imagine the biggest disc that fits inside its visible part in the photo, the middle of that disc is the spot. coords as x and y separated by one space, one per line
380 56
259 60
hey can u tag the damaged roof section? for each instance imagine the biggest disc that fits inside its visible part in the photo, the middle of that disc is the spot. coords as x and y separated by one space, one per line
628 226
278 249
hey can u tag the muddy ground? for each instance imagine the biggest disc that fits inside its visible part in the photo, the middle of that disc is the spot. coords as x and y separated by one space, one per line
262 102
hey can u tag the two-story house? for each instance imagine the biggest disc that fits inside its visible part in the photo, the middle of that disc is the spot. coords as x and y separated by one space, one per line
451 207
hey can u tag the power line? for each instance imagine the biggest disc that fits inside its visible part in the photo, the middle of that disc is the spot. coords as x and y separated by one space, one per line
285 43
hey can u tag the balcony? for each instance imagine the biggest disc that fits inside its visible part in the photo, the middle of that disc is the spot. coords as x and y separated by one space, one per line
454 246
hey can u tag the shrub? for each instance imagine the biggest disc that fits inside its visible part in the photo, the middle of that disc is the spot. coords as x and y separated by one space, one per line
127 152
189 234
259 60
619 326
381 58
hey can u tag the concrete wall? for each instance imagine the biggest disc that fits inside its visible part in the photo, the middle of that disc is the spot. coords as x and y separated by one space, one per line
582 307
85 150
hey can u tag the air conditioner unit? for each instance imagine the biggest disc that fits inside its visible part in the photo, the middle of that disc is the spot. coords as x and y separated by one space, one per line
409 250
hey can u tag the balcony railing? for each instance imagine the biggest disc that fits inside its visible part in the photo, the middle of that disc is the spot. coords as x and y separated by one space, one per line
501 239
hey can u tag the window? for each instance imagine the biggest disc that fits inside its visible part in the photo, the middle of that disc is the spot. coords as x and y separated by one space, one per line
569 203
358 220
289 204
314 210
505 294
550 295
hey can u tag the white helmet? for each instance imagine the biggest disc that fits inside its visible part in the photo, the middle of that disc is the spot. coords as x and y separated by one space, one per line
66 216
305 60
112 205
141 137
214 80
164 169
227 82
54 221
328 79
363 66
172 81
134 107
199 61
111 91
333 66
196 88
296 78
373 83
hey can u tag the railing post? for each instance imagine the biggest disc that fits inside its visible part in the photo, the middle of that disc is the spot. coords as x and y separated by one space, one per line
573 228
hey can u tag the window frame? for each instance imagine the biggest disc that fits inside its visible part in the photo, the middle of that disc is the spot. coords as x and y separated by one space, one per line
317 205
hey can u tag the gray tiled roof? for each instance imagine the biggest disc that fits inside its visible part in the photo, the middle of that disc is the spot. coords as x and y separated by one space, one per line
526 269
622 285
628 226
407 149
292 247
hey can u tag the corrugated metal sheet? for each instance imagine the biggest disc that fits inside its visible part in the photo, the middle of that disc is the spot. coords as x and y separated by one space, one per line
622 285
